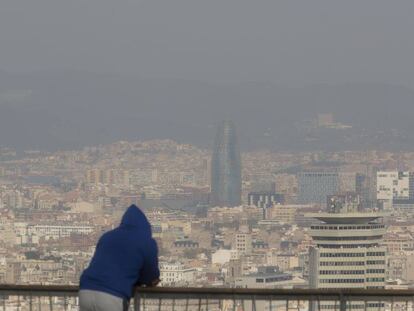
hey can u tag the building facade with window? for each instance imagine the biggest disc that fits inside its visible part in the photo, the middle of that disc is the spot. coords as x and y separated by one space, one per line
315 186
226 167
176 274
395 187
348 251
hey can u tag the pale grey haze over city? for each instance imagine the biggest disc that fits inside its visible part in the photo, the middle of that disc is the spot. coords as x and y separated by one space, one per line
76 73
239 155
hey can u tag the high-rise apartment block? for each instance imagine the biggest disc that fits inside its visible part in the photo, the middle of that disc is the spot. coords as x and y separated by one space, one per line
226 167
394 186
316 186
363 185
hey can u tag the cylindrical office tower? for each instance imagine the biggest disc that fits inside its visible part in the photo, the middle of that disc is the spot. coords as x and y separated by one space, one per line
349 251
226 167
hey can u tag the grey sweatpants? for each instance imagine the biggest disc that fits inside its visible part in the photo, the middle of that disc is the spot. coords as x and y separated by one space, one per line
91 300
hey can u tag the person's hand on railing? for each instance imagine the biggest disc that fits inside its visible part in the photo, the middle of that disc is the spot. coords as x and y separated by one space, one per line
155 283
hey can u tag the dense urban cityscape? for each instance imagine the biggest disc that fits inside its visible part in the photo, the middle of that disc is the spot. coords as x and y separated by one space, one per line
206 155
291 213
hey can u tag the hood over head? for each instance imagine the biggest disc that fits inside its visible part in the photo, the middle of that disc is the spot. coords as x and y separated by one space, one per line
134 217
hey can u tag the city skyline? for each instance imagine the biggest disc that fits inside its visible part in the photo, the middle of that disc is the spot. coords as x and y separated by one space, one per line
239 155
55 203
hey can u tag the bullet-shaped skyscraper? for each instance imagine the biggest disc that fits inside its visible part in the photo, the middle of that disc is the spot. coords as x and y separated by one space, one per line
226 167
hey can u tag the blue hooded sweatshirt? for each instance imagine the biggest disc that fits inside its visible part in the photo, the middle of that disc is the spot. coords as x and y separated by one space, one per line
124 257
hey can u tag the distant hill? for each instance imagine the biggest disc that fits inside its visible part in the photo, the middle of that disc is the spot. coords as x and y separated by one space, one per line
73 109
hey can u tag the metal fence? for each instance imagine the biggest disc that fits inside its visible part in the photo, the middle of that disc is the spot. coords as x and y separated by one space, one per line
37 298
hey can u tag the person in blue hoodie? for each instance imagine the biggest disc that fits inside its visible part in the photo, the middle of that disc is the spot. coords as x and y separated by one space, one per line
125 257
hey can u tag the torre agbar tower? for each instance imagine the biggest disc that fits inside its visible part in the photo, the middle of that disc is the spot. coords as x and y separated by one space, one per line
226 167
348 251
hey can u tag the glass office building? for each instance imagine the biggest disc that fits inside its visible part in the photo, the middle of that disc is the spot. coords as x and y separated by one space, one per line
226 167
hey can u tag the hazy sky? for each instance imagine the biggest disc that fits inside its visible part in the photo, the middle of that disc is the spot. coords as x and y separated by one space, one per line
289 42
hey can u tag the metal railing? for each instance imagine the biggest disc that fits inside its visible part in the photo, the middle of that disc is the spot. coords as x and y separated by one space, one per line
37 298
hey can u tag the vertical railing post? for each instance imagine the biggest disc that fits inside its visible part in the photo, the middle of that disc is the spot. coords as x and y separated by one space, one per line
50 303
342 303
31 302
65 303
186 303
159 304
137 301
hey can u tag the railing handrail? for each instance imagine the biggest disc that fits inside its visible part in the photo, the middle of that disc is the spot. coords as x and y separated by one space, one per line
276 291
227 292
39 288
